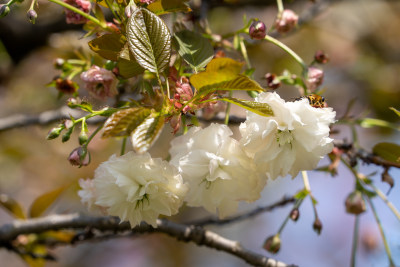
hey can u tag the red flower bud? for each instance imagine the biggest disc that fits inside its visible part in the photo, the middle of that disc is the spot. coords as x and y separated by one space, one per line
320 57
257 30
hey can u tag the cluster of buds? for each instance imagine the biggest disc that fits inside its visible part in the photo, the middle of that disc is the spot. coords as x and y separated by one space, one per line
75 18
286 21
100 83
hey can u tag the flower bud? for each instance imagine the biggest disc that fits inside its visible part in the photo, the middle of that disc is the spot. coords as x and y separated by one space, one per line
315 77
317 226
66 86
272 81
294 214
4 10
67 135
272 244
80 156
355 203
257 30
72 103
83 137
286 21
75 18
387 178
32 16
55 132
59 63
320 57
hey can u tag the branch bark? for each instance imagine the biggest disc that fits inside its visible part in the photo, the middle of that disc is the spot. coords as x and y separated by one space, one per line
185 233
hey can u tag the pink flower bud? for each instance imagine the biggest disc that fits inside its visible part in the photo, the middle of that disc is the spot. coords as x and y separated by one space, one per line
100 83
257 30
320 57
286 21
315 77
185 91
32 16
74 18
79 157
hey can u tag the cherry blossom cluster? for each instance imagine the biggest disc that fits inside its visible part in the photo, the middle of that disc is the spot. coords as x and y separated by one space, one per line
209 168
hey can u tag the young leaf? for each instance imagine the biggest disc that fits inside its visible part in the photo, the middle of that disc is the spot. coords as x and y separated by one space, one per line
193 48
370 122
160 7
387 151
12 206
43 202
395 111
147 133
123 122
108 45
149 40
240 82
262 109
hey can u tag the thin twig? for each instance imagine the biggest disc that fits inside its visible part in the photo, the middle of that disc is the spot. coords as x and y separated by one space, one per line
185 233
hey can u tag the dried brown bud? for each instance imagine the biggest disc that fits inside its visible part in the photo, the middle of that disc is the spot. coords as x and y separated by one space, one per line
320 57
317 226
257 30
272 81
295 214
272 244
66 86
355 203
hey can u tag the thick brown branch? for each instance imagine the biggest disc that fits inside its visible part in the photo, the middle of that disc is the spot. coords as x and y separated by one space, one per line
185 233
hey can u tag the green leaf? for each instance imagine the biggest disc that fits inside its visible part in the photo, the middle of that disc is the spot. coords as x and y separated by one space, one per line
12 206
370 122
123 122
129 69
262 109
224 64
149 40
43 202
395 111
302 194
196 50
387 151
165 6
144 136
108 45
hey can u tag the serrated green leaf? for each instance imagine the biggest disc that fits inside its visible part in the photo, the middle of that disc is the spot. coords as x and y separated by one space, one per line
149 40
387 151
395 111
123 122
12 206
43 202
262 109
108 45
160 7
196 50
144 136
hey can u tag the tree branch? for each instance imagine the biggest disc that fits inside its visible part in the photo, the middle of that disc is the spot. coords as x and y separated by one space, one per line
185 233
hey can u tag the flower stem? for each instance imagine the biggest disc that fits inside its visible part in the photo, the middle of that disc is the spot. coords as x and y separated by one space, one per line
93 134
295 206
243 50
228 109
287 50
280 6
387 202
385 243
355 241
308 188
80 12
123 146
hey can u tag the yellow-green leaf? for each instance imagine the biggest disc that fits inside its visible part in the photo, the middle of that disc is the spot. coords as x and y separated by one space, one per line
43 202
160 7
12 206
395 111
128 69
123 122
262 109
387 151
225 64
370 122
108 45
240 82
144 136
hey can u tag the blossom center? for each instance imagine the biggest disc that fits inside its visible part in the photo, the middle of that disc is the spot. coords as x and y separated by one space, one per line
284 137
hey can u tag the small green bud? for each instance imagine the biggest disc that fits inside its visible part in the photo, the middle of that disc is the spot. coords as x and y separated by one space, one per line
72 103
355 203
67 135
32 16
4 10
83 137
55 132
272 244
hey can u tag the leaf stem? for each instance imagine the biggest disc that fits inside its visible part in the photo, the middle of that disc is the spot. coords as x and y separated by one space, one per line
378 221
80 12
355 241
287 50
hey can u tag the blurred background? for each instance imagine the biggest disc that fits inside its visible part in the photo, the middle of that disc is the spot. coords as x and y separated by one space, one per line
362 40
